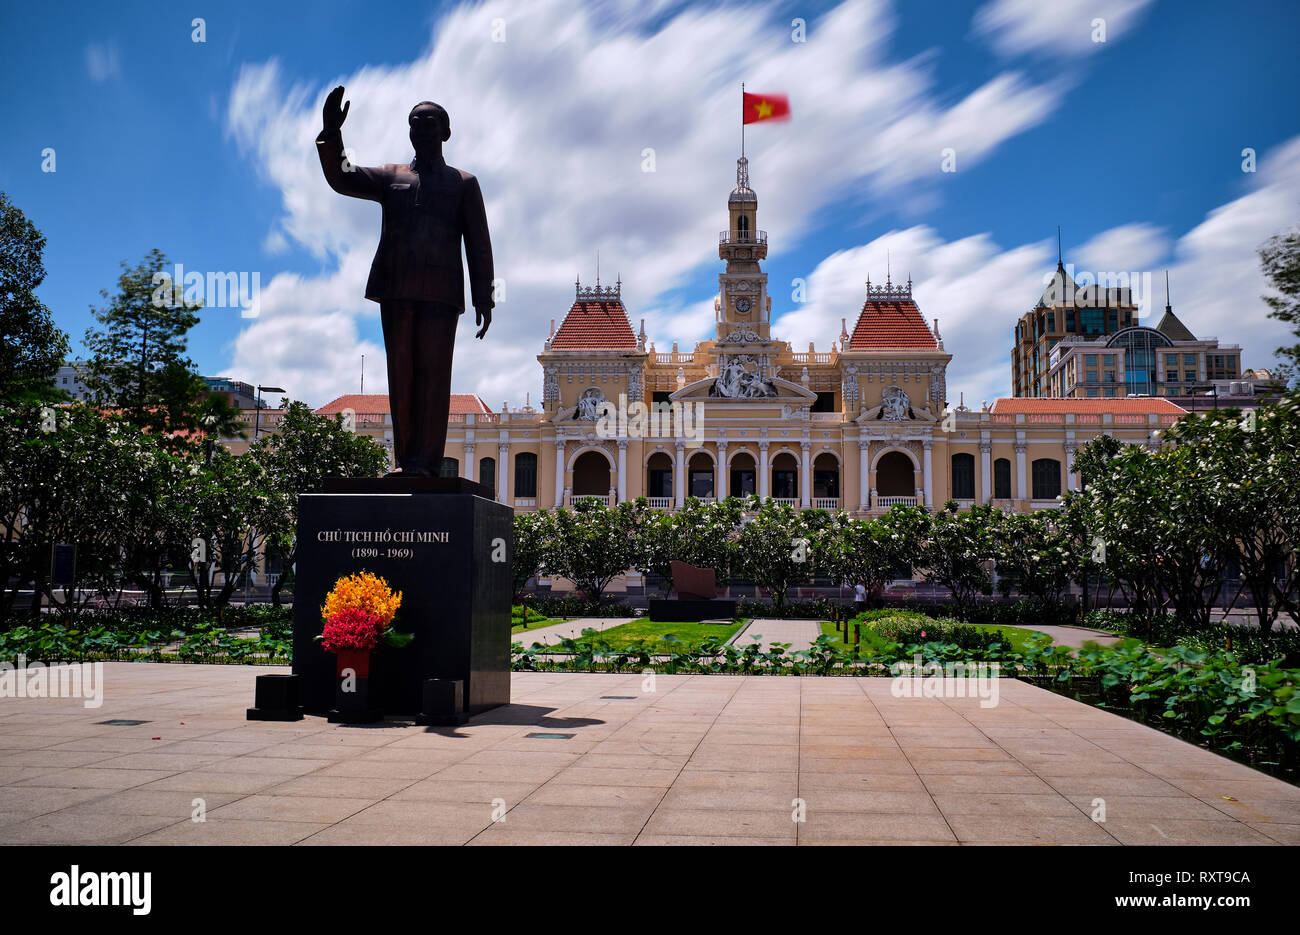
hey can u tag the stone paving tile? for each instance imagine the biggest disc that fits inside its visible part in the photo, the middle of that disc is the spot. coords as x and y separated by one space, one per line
700 840
1036 829
343 786
505 835
722 822
703 760
214 832
88 777
1183 831
81 827
860 828
633 797
1279 832
324 809
983 782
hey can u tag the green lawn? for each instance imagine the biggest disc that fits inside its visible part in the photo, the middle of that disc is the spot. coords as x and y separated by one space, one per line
872 641
517 627
689 635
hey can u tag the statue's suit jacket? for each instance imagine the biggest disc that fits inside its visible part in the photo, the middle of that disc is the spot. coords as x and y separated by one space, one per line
427 210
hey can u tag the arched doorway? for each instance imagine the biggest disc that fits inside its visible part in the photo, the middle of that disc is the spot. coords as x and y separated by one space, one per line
744 475
699 476
895 475
785 477
591 475
659 476
826 481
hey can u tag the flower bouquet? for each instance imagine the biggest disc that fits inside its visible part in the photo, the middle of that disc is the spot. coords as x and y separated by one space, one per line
358 614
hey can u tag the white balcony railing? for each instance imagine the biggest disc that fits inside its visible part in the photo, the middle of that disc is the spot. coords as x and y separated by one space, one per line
604 499
885 503
826 503
788 501
660 503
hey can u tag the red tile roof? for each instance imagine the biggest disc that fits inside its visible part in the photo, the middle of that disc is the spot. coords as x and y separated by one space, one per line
1128 405
590 325
378 402
890 324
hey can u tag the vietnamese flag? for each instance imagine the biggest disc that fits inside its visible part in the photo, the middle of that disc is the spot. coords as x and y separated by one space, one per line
759 107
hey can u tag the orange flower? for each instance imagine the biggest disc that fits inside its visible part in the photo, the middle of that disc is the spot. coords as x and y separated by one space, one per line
363 591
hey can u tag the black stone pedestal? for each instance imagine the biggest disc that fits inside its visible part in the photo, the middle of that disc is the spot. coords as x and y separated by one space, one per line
275 698
692 610
447 548
444 704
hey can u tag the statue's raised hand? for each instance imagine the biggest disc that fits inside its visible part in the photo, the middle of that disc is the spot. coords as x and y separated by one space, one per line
332 115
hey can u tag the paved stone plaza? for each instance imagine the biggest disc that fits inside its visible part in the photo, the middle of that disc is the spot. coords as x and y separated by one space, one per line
701 760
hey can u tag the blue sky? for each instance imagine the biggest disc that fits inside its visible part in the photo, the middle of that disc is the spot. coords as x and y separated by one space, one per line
204 150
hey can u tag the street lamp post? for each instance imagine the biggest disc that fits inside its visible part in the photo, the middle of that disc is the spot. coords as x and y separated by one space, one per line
257 408
257 430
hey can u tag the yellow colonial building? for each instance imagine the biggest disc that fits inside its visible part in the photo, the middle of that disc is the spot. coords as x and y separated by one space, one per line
859 426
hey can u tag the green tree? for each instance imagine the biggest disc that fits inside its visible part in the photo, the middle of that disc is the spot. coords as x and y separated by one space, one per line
594 544
701 533
31 347
1280 259
1245 466
958 551
534 534
295 460
857 551
1037 554
138 363
221 502
776 548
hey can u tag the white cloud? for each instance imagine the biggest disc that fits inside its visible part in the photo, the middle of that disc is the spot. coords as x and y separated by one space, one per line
1055 27
555 120
102 61
979 290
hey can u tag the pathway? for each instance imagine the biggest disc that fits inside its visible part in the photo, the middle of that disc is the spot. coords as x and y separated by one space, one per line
800 634
612 759
569 628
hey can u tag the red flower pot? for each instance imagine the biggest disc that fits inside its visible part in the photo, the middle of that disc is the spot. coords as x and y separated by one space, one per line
358 660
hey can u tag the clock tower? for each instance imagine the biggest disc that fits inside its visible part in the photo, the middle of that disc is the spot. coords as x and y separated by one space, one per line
742 307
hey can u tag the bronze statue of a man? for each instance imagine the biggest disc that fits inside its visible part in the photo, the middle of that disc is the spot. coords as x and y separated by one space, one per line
416 275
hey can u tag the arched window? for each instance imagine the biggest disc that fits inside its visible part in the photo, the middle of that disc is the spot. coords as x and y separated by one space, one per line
450 467
1047 479
526 474
963 476
1002 479
742 227
487 473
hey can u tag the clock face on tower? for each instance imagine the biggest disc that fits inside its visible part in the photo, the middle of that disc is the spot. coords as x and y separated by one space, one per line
742 305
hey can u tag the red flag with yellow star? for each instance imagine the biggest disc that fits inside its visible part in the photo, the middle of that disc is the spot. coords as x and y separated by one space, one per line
759 107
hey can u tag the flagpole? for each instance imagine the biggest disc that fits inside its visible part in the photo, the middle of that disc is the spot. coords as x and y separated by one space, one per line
742 118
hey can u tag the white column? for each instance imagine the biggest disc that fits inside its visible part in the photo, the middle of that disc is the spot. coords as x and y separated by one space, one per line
622 471
1071 481
1022 490
467 467
764 471
559 473
720 472
805 476
864 475
986 471
679 475
929 475
503 474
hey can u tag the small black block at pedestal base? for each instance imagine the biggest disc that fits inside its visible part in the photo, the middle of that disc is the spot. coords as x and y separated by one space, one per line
447 549
276 699
354 707
444 703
